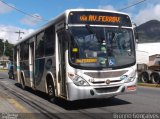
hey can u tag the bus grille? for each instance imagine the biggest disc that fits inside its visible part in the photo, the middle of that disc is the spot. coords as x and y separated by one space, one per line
111 81
107 90
105 74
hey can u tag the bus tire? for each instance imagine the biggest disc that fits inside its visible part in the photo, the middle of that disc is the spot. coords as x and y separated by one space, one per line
22 82
155 78
51 91
144 77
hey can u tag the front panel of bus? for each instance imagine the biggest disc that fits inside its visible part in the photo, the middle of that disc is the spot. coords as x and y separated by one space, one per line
101 55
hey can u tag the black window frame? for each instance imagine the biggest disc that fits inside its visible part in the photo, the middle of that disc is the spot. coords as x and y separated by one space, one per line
39 50
49 42
26 52
22 51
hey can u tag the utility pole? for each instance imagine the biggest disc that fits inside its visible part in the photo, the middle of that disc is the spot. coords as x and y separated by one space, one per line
19 33
4 48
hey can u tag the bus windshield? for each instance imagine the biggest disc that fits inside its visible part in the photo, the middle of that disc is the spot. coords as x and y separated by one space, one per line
101 47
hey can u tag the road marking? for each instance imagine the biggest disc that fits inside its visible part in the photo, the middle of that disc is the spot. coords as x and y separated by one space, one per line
18 106
24 112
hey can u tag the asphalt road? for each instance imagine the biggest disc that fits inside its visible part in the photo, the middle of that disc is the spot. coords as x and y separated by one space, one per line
3 74
145 100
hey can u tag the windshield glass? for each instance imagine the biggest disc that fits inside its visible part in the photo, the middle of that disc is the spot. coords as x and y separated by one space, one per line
101 47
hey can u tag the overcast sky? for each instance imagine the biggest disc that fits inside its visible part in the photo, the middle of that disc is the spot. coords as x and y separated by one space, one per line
12 21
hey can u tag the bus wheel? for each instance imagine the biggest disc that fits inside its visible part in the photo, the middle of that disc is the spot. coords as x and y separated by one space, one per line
51 92
23 83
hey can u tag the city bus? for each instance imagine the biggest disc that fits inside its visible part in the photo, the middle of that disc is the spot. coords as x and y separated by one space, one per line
81 54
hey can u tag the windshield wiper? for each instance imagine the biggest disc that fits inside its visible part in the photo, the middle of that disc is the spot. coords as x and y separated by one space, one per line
88 27
91 31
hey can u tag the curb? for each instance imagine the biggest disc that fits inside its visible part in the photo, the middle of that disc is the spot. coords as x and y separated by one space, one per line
3 70
149 85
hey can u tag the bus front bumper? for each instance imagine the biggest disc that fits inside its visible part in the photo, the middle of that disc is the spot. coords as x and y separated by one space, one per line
88 92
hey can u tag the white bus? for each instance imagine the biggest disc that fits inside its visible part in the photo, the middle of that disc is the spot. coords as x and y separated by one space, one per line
81 54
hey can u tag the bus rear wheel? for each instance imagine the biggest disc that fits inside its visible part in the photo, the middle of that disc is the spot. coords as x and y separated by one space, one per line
51 92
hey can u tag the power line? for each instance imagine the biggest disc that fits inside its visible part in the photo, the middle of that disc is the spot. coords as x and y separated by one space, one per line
23 11
48 20
132 5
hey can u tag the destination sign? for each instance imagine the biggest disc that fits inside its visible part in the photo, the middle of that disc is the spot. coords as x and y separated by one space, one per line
94 18
86 60
99 18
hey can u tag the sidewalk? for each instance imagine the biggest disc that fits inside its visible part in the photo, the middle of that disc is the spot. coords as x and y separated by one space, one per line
5 106
3 70
10 105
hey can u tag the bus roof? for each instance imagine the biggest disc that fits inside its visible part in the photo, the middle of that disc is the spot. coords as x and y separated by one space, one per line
64 14
98 10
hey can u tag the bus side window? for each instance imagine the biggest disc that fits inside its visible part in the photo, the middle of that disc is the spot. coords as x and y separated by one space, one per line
40 45
49 41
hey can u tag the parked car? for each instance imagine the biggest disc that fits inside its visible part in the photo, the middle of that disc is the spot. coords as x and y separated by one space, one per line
10 72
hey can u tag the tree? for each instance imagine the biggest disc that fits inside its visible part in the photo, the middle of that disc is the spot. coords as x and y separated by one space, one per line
9 49
1 47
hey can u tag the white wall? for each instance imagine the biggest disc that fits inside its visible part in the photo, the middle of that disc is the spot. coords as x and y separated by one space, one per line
151 48
142 57
145 50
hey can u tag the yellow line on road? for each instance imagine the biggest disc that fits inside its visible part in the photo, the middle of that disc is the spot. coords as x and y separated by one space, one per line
18 106
23 111
3 70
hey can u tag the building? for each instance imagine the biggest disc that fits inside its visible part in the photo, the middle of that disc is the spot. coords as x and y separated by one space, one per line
4 62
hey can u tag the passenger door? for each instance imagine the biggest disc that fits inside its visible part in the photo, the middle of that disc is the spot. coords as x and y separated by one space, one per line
31 63
62 59
18 65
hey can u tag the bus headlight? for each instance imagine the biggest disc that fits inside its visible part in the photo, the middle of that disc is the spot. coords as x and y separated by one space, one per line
79 81
125 78
128 78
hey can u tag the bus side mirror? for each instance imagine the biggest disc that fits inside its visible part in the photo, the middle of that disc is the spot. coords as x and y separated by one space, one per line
136 37
136 32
